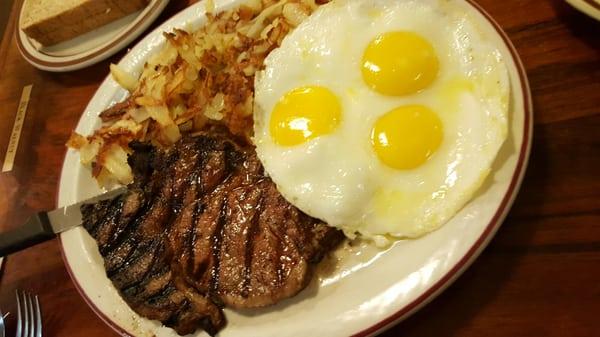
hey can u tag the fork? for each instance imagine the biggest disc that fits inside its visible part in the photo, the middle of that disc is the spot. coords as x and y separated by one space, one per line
29 316
2 327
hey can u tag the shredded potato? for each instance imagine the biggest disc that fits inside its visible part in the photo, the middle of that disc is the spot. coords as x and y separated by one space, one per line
123 78
196 81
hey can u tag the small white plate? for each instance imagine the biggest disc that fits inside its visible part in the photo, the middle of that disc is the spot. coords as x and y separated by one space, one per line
91 47
365 290
589 7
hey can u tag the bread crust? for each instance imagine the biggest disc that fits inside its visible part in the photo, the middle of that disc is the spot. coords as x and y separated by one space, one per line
85 17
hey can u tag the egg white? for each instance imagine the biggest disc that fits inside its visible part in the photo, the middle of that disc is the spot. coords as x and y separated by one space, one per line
338 177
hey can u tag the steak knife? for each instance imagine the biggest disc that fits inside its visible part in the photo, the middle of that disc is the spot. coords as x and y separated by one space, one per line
44 226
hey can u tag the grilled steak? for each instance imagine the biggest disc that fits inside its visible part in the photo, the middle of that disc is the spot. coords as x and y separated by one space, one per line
202 227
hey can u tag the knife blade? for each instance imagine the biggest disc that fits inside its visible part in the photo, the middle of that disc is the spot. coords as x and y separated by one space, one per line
44 226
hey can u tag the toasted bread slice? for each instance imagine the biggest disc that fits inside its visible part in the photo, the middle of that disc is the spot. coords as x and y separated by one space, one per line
53 21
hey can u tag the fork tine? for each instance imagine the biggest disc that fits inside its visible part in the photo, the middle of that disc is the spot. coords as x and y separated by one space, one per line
19 317
2 327
26 317
32 317
38 321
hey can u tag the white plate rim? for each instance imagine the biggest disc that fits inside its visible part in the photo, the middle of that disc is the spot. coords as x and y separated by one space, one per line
476 248
94 55
500 213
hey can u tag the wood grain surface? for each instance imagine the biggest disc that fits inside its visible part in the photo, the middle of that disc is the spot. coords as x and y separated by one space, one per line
540 276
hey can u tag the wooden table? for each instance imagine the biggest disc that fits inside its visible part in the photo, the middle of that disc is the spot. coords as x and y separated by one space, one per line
540 276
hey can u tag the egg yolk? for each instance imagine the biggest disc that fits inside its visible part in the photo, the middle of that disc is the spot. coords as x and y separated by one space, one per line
399 63
304 113
405 137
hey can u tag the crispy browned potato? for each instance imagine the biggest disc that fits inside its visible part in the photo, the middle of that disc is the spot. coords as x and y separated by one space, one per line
197 80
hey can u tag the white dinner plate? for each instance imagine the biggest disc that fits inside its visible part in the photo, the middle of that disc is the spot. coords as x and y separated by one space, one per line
361 290
589 7
91 47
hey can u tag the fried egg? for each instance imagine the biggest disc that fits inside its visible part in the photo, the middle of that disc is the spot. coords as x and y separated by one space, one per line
382 118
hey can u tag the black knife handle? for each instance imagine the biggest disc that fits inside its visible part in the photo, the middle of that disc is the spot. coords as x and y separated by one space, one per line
36 230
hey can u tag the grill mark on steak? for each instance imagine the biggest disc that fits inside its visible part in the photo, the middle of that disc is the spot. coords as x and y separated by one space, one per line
192 234
162 294
208 238
131 204
121 247
217 245
184 232
116 258
202 227
96 214
104 230
252 232
157 268
154 283
134 272
134 254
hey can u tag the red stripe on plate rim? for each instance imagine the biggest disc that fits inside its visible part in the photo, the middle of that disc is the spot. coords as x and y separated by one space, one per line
471 254
147 14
